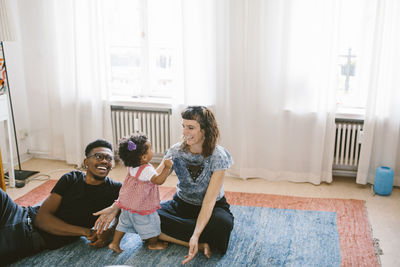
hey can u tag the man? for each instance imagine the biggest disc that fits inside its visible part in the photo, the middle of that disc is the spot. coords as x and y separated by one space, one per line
66 214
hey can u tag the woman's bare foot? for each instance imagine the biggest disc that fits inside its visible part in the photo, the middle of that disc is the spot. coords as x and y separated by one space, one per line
115 248
206 249
158 245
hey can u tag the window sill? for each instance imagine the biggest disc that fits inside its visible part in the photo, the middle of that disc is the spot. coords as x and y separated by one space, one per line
141 101
350 113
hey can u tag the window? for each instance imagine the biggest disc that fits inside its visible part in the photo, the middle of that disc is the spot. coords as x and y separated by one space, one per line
356 24
144 38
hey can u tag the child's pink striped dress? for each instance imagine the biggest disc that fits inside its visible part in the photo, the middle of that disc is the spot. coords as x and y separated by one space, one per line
138 196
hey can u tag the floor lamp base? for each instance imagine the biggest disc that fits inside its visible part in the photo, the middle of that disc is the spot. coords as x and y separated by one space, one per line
21 175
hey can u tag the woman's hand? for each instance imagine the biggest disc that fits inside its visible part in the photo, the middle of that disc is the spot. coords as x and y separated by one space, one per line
107 215
193 249
207 207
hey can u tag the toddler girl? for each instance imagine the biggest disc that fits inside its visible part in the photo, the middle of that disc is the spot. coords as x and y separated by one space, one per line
139 197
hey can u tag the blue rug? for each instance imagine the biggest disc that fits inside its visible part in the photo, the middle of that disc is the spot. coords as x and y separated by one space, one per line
261 237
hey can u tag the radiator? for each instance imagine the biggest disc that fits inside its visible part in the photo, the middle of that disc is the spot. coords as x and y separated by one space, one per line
347 147
154 122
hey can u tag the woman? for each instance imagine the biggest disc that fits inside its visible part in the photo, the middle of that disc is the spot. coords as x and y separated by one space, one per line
198 216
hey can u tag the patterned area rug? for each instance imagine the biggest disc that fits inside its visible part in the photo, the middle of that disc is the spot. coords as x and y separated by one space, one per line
270 230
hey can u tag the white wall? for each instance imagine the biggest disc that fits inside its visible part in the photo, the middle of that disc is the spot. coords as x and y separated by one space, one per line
16 78
32 19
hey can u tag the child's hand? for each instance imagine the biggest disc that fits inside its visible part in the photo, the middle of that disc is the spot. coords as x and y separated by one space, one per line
168 163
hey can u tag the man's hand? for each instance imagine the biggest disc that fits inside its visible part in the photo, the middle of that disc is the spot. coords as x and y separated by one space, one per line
91 235
102 239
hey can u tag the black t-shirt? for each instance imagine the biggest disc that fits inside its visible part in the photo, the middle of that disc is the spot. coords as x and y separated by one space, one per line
79 201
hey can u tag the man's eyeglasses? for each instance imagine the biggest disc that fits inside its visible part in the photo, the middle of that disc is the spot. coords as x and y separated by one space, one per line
100 157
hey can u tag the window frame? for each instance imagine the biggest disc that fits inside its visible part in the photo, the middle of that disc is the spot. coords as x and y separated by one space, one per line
148 53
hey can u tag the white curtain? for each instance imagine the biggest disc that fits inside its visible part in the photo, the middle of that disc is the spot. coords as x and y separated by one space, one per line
70 65
381 138
199 63
267 68
276 102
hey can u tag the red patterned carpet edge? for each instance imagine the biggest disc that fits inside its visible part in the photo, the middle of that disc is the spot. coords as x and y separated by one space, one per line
36 195
356 243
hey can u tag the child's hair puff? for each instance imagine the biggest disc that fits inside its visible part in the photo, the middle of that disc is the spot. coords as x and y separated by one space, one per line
131 158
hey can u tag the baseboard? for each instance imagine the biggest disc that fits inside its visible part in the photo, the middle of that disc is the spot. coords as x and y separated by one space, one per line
23 157
346 173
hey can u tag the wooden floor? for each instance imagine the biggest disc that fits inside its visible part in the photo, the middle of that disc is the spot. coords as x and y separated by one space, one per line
383 212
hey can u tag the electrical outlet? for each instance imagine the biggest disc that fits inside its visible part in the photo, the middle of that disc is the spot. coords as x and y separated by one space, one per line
23 134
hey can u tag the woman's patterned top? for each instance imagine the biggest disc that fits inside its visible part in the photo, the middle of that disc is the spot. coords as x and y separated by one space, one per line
194 171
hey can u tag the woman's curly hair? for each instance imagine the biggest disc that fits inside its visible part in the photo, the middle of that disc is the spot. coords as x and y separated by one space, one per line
131 158
206 119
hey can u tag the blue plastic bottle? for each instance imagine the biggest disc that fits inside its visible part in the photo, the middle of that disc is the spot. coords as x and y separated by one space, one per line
383 181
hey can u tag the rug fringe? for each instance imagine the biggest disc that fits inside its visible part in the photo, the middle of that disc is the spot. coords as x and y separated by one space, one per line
377 247
378 250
